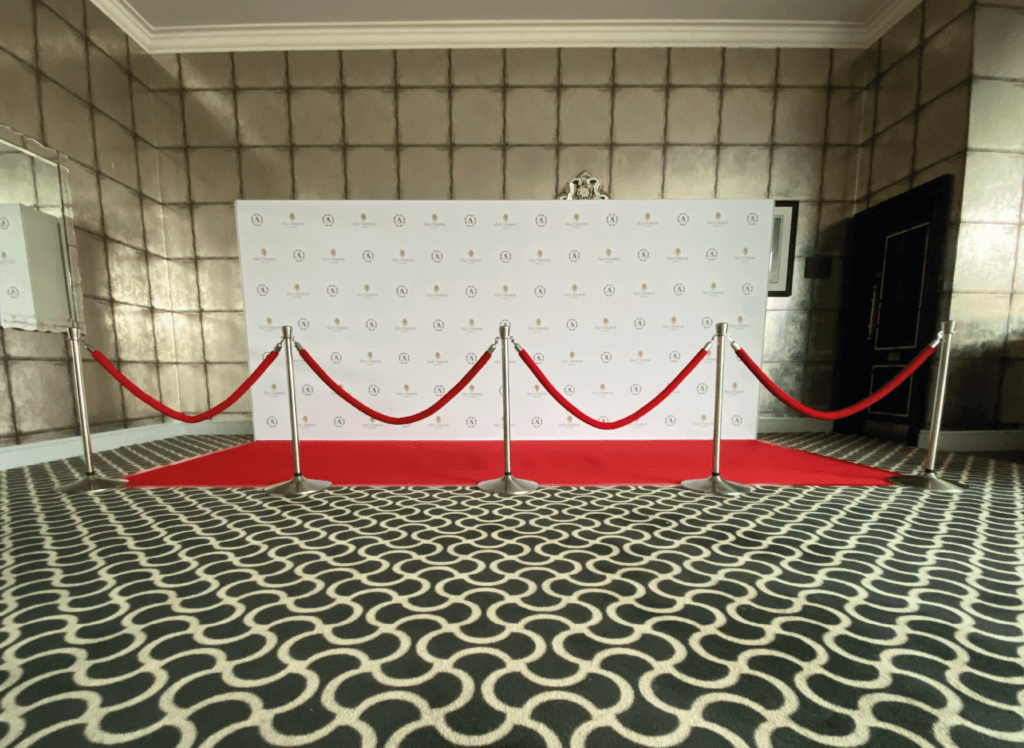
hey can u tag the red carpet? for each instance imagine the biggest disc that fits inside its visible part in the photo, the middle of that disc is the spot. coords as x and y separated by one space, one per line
551 463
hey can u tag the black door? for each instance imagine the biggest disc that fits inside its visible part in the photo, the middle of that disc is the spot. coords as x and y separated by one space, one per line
890 308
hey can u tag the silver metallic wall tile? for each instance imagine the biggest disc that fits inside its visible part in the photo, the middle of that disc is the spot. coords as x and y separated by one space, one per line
637 172
177 224
690 172
743 172
840 181
215 231
800 116
16 32
372 173
586 67
129 274
224 339
901 38
477 67
266 173
157 72
314 69
260 69
893 155
103 394
476 173
42 395
1015 329
110 87
159 283
476 116
422 67
92 264
214 175
67 122
223 380
574 159
319 173
122 213
262 118
106 34
145 375
639 115
424 173
749 67
530 173
188 337
694 66
210 118
368 67
981 324
970 389
531 67
796 173
531 116
206 70
19 106
992 187
854 67
192 389
168 374
316 118
747 115
998 52
644 66
62 52
35 345
184 286
220 285
693 115
997 109
6 413
163 336
804 67
369 116
99 321
115 147
942 128
937 13
585 116
946 58
897 93
423 117
985 257
134 328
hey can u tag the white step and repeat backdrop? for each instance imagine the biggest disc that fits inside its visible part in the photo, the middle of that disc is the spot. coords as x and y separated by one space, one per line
397 299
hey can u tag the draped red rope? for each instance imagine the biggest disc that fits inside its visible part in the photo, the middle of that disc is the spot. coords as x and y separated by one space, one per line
338 390
834 414
157 405
622 421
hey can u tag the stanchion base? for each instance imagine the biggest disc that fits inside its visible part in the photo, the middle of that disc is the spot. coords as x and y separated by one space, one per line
92 484
508 485
717 486
929 482
297 486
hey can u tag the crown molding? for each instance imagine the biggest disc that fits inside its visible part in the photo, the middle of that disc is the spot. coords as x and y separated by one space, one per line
508 34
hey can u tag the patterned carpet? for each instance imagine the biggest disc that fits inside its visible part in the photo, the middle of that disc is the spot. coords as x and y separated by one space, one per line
583 618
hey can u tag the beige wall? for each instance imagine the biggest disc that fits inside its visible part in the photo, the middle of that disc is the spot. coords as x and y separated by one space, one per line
837 130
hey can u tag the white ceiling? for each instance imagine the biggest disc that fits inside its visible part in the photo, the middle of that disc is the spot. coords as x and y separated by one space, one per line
242 25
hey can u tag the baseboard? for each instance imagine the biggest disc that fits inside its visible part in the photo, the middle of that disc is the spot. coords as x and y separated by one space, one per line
786 425
21 455
1004 440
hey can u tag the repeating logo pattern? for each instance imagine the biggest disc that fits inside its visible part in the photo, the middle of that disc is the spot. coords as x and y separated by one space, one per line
410 617
584 287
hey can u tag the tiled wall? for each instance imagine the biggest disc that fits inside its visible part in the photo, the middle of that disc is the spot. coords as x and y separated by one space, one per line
66 78
988 285
836 129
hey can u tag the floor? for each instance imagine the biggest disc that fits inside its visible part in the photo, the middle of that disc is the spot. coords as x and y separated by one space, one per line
584 618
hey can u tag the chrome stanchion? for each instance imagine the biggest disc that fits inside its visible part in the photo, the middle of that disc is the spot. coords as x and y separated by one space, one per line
715 484
298 485
930 481
90 482
507 485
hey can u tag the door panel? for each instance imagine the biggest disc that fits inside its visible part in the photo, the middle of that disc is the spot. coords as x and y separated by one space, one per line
889 308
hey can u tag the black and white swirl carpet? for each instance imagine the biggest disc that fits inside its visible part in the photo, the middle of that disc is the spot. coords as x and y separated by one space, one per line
574 617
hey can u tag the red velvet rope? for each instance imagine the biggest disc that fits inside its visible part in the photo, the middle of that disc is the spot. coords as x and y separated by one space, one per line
338 390
835 414
156 404
622 421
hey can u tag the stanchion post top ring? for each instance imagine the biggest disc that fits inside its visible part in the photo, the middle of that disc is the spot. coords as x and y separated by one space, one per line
504 331
722 328
286 330
949 326
74 333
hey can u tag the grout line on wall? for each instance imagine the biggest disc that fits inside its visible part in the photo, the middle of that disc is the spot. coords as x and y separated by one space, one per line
451 131
718 134
398 140
775 118
664 135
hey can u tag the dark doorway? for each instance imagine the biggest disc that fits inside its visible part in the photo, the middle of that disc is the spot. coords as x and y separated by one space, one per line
889 309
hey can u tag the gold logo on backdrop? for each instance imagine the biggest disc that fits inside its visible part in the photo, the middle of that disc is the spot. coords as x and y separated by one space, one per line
405 321
538 322
639 354
735 385
437 355
602 387
718 215
366 287
406 388
569 419
573 286
647 216
471 323
337 321
505 217
436 288
471 253
362 216
291 216
678 251
433 217
643 286
739 319
3 255
505 289
296 286
714 286
472 387
572 354
575 216
334 253
608 252
745 250
673 320
703 418
262 252
438 418
540 252
273 386
305 419
270 321
606 320
536 388
401 253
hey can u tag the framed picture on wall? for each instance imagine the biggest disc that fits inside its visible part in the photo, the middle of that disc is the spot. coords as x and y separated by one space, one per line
780 266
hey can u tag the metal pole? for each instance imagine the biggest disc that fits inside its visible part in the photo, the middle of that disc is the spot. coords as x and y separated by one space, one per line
930 481
507 485
715 484
298 485
90 482
721 329
506 398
